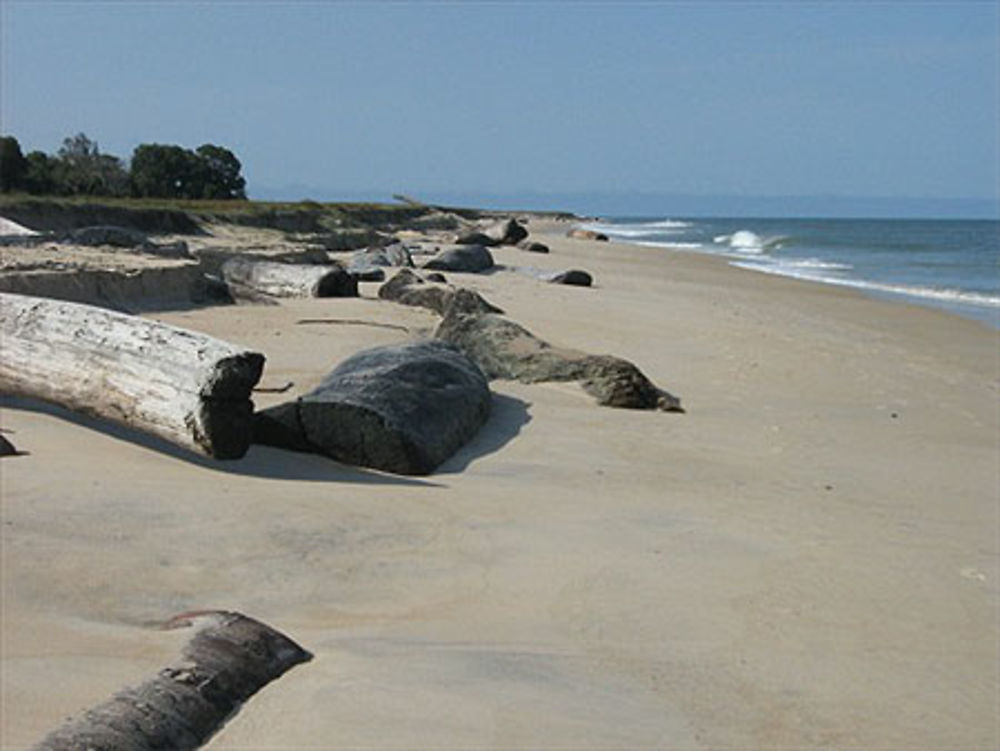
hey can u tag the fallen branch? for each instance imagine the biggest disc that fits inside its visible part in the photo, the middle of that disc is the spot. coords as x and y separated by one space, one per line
227 661
352 322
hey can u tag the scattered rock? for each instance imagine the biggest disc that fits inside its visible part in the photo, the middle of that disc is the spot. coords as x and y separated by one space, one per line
505 349
466 258
574 277
368 264
437 276
587 234
402 408
368 273
533 247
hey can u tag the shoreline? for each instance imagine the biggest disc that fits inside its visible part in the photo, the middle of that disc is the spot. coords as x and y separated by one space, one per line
965 302
807 557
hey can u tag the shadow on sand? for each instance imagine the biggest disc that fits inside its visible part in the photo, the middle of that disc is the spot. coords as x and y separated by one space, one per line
506 420
260 461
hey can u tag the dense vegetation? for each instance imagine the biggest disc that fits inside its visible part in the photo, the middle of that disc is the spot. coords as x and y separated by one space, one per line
209 172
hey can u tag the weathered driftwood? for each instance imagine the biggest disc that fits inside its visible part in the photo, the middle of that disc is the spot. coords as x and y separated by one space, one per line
505 349
228 660
408 288
183 386
290 279
400 408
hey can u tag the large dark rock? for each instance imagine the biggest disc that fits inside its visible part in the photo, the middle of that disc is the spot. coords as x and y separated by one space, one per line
505 349
468 258
574 277
533 247
402 408
368 259
409 289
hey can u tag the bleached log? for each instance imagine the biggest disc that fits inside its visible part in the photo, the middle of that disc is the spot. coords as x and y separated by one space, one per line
228 660
290 279
183 386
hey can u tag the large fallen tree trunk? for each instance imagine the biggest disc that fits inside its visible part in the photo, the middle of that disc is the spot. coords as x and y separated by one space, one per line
401 408
290 279
505 349
225 663
185 387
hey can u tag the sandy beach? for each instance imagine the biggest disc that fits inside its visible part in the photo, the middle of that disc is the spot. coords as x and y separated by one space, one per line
807 558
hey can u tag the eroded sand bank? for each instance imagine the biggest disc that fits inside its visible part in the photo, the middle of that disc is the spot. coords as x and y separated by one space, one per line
808 557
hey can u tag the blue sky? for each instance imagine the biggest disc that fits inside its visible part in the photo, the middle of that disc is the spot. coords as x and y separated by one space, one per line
341 99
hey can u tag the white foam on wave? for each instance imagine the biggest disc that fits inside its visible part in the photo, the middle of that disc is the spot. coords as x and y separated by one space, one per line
639 229
746 241
669 245
939 294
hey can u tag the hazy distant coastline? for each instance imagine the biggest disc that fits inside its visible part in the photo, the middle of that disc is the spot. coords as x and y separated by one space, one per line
629 203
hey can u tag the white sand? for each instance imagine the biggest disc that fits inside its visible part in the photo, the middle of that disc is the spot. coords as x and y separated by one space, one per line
807 558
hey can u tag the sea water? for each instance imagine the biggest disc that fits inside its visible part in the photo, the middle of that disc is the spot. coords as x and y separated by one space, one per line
949 264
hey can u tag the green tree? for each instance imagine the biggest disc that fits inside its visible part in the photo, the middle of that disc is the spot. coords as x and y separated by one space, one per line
13 164
221 168
40 173
167 171
164 171
83 170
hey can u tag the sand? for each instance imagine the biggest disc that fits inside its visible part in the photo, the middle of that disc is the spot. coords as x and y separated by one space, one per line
806 558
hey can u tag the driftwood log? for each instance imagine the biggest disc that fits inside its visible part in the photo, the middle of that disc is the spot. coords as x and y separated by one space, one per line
505 349
290 279
229 659
183 386
401 408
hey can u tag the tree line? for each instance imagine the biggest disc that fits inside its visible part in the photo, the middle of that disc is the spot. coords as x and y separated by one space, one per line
154 171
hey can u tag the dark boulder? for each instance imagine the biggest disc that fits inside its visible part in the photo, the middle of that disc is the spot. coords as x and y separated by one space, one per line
402 408
467 258
365 261
505 349
506 232
573 277
533 247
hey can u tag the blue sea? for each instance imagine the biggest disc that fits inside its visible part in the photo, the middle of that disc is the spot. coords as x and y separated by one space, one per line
949 264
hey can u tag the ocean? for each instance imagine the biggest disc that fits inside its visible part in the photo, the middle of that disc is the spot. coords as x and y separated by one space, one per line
949 264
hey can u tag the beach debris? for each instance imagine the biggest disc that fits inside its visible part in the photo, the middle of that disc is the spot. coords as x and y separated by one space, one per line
229 659
401 408
289 279
185 387
466 258
573 277
408 288
587 234
352 322
505 232
369 264
505 349
533 247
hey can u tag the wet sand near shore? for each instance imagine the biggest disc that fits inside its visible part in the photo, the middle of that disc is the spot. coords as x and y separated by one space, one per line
807 558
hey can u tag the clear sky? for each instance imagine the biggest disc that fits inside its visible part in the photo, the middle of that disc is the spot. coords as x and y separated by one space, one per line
342 99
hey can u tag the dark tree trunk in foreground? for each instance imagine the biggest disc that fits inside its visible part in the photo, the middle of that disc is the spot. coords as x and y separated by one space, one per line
183 386
228 660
